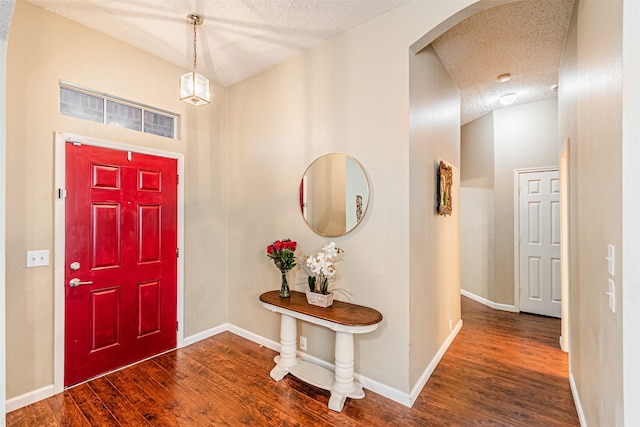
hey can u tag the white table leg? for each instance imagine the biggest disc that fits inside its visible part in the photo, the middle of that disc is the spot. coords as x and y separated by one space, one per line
288 345
344 384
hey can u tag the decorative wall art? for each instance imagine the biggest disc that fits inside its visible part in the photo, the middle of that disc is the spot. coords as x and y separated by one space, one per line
445 182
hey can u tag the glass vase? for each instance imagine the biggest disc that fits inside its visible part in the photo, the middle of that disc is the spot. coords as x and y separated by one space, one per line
284 288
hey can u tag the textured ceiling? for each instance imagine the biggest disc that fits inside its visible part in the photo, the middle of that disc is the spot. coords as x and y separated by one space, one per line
524 38
239 38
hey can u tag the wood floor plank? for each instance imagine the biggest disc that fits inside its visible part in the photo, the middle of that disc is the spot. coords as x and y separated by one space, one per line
97 414
65 412
273 404
81 394
169 410
118 405
503 369
128 388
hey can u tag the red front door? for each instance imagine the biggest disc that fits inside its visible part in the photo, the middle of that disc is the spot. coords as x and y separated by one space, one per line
120 261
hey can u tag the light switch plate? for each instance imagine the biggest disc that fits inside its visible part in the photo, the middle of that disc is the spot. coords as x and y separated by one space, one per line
611 260
612 296
38 258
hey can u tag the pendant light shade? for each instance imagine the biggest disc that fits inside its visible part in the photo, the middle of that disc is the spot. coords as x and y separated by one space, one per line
194 87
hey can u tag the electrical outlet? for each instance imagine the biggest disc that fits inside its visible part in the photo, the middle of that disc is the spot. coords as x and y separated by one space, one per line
450 324
37 258
303 343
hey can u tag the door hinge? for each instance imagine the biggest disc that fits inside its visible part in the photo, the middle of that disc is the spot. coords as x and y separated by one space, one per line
62 193
177 252
177 326
177 179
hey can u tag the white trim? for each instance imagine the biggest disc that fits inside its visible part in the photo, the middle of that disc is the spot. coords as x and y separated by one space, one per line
192 339
516 226
415 392
565 243
59 238
576 400
258 339
368 383
489 303
29 398
6 12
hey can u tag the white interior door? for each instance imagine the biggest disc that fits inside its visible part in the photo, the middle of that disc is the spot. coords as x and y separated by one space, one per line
539 243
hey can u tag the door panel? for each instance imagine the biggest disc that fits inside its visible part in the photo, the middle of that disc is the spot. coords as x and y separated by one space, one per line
104 316
105 235
539 237
121 227
149 308
149 233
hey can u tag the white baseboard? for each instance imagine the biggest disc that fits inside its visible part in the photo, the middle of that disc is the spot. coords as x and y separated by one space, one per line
258 339
488 303
375 386
576 400
29 398
368 383
415 392
205 334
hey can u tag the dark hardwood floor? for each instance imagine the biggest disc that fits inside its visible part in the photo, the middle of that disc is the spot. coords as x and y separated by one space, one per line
503 369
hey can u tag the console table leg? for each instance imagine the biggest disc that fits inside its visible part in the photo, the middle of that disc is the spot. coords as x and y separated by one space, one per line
288 344
344 384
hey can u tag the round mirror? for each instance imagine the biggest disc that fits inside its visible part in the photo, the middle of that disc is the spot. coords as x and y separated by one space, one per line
334 194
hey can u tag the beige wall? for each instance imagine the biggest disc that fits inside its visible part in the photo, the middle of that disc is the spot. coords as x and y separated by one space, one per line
434 240
493 147
278 122
42 49
526 136
591 116
477 207
477 161
349 94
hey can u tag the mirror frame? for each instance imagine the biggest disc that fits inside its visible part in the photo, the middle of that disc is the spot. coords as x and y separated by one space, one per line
364 207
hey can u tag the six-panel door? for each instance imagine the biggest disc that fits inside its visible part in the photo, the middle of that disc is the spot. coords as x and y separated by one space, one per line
539 233
120 261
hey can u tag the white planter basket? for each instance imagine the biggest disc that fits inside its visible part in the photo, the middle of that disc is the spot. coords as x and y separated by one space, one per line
320 300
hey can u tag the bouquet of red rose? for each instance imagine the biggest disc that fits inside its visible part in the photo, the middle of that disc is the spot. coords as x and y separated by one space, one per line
281 252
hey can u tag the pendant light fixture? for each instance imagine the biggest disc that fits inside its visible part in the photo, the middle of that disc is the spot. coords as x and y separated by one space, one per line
194 87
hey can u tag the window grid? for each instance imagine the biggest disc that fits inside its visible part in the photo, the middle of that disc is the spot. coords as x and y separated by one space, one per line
86 104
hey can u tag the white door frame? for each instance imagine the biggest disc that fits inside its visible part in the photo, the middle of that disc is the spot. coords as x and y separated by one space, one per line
6 8
59 241
565 255
516 225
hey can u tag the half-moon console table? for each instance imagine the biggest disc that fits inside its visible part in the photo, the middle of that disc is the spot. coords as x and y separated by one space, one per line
345 319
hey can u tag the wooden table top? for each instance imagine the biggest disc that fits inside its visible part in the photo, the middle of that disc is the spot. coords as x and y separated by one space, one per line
339 312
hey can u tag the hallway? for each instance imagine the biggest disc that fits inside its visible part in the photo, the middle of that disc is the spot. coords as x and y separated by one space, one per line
503 369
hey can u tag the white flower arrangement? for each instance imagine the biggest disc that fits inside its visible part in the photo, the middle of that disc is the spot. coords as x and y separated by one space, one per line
323 266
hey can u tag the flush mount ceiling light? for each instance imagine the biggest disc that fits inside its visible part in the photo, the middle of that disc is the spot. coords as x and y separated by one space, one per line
504 77
508 98
194 87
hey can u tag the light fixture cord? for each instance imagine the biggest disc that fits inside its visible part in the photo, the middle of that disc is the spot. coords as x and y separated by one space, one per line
195 52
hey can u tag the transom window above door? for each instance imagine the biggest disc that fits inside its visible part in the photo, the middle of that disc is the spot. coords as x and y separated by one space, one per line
86 104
